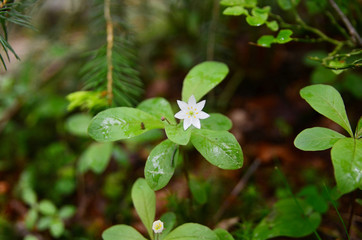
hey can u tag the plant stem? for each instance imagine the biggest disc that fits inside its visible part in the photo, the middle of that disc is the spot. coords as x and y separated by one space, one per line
237 189
109 24
335 207
352 31
212 30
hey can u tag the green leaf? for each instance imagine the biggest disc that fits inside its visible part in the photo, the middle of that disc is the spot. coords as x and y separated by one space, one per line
95 157
46 207
284 36
44 223
29 196
223 234
317 139
177 134
243 3
121 123
169 221
202 78
30 237
198 190
56 228
273 25
77 124
158 107
358 133
31 218
217 122
261 12
266 40
255 21
314 198
288 219
323 75
285 4
327 101
122 232
337 64
160 164
347 162
191 231
67 211
235 11
220 148
144 201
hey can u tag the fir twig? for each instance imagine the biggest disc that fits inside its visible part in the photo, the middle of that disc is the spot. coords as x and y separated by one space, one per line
109 24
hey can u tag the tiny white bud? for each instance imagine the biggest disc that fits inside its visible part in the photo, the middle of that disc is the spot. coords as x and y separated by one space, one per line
157 226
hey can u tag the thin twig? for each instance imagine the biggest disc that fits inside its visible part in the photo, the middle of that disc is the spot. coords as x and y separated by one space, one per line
237 189
212 31
352 31
109 24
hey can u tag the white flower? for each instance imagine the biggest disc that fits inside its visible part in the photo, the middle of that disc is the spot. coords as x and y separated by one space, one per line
157 226
191 112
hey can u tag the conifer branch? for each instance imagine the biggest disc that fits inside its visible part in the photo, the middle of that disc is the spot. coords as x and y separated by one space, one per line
109 24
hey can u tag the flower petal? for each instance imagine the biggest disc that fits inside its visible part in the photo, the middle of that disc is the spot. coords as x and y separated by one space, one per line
187 123
202 115
181 115
196 122
200 105
192 101
183 106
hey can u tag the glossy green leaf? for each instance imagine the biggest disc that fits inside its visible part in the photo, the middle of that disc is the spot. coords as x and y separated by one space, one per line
235 11
255 21
327 101
121 123
202 78
317 139
347 162
177 134
77 124
266 40
288 219
95 157
56 228
160 164
191 231
158 107
169 221
358 133
273 25
122 232
337 64
223 234
284 36
220 148
46 207
261 12
216 121
144 201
